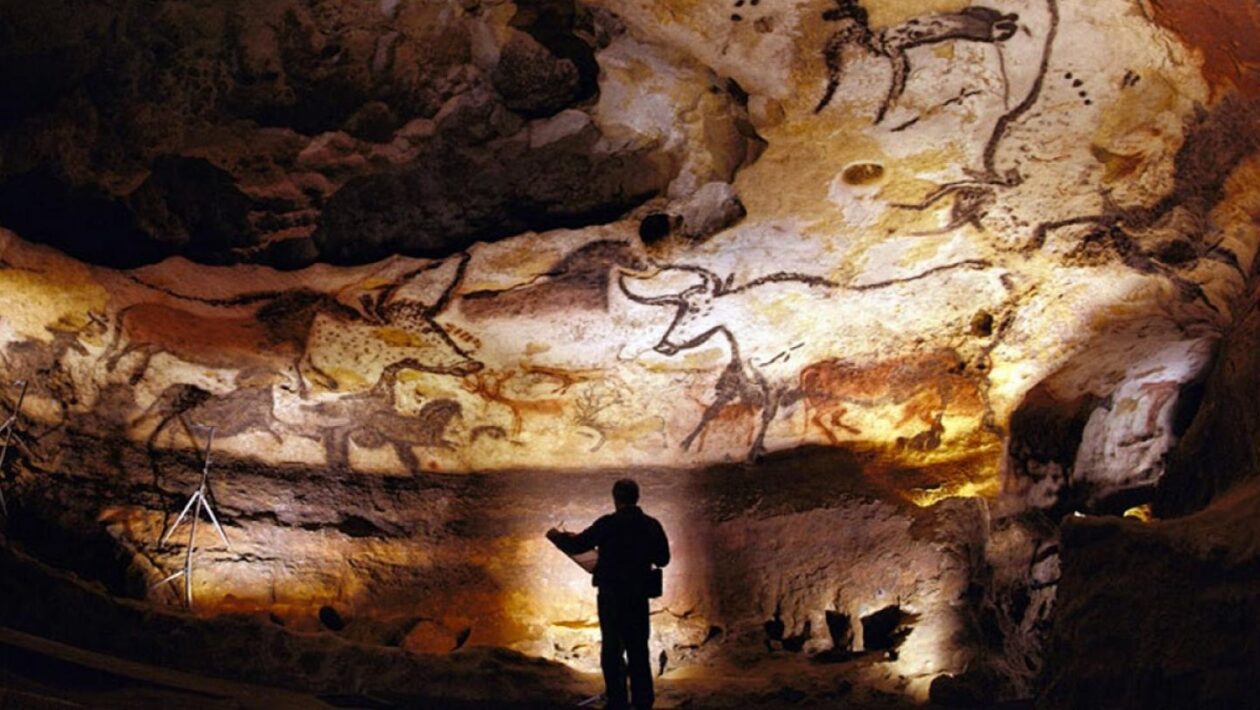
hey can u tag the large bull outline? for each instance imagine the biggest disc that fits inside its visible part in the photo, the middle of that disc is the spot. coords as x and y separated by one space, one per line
762 378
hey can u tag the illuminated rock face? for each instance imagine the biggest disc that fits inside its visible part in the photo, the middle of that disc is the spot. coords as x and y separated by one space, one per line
1195 574
970 250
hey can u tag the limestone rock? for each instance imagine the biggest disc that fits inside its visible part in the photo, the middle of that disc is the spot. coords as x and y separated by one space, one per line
712 208
1219 449
943 277
274 111
194 206
458 196
1191 580
531 80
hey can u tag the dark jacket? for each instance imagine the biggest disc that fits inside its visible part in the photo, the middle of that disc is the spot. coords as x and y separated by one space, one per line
629 543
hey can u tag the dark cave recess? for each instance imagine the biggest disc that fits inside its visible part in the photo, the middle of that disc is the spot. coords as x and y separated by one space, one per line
203 151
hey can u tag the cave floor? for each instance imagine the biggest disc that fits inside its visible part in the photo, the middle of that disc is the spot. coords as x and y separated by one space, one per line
47 600
40 673
37 672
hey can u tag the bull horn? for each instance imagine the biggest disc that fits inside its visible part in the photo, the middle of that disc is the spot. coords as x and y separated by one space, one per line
646 300
711 281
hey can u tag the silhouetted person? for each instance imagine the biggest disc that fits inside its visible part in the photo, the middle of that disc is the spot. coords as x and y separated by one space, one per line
630 542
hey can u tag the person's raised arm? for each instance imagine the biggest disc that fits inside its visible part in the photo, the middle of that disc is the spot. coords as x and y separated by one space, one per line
577 543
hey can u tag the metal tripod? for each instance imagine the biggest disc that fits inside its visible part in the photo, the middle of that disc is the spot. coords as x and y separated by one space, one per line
196 503
9 425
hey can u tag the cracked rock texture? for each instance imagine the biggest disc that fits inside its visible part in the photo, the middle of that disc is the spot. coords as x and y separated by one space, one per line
284 132
1173 603
868 294
1220 448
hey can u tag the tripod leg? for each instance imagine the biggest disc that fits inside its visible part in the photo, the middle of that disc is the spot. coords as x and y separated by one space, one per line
210 511
192 542
8 436
179 520
169 578
9 425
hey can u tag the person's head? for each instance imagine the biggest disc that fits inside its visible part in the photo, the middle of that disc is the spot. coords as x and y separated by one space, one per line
625 493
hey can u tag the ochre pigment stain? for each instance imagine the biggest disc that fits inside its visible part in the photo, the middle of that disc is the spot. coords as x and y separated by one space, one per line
1224 31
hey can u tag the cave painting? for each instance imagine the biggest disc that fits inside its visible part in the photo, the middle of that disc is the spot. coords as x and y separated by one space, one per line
371 423
489 387
1198 185
364 346
273 337
249 408
297 330
596 403
370 420
370 333
525 361
973 24
973 196
398 331
766 362
405 321
971 203
368 342
972 199
738 7
923 386
44 367
578 280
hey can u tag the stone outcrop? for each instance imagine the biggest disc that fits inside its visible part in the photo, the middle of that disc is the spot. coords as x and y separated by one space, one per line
1171 605
869 296
1220 448
290 133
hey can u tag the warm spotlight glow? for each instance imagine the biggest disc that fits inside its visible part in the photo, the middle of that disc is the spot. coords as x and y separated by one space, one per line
1140 512
925 498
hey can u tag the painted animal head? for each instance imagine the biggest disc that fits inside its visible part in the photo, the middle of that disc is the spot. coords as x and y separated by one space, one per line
1002 26
694 322
847 10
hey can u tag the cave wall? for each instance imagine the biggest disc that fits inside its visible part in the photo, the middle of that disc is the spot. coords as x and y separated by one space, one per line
1098 235
1220 448
285 133
1169 602
437 271
1177 595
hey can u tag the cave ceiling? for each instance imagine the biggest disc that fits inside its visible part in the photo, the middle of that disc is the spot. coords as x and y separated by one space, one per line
375 241
879 224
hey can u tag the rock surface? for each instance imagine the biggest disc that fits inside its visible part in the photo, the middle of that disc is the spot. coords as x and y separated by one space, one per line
287 133
1172 606
439 272
1220 449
